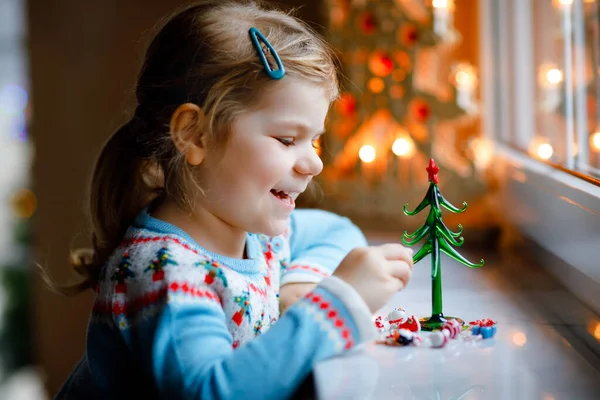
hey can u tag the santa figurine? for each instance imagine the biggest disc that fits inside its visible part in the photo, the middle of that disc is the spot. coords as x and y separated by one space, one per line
412 324
396 318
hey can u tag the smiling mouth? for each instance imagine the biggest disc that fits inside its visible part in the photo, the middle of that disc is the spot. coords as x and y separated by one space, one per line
287 199
283 195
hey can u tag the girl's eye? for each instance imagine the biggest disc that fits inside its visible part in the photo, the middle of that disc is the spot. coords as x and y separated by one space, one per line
286 141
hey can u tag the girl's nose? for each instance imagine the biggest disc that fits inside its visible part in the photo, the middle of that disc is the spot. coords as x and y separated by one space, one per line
309 163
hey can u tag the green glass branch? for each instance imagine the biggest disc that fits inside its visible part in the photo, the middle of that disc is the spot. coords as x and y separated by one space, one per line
448 206
414 240
417 210
446 235
424 203
453 234
416 233
423 251
445 247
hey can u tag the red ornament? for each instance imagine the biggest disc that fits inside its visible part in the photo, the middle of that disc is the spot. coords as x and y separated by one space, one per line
432 170
381 63
420 110
408 35
367 23
346 105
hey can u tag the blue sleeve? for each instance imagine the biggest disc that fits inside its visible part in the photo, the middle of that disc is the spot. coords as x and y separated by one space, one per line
319 241
193 356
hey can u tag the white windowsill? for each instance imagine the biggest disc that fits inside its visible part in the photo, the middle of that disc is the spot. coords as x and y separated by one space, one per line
541 168
561 213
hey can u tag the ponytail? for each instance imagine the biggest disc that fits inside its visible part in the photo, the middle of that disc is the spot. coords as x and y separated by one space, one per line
118 193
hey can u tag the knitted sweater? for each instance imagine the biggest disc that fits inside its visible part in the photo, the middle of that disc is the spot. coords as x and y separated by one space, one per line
173 320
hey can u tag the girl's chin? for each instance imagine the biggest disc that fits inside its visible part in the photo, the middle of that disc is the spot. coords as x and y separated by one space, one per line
275 227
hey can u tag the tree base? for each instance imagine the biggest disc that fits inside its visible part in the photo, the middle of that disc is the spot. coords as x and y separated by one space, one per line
436 321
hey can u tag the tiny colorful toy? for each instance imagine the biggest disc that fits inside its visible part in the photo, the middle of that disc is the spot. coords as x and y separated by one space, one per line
397 320
484 327
438 339
438 238
411 324
396 317
401 337
381 324
398 330
452 328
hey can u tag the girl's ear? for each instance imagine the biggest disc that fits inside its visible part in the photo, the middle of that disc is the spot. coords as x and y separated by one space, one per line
186 128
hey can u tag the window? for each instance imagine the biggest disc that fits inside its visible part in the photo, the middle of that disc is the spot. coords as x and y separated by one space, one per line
540 94
546 84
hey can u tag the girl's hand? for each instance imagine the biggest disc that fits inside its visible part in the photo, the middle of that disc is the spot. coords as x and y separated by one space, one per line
377 272
291 292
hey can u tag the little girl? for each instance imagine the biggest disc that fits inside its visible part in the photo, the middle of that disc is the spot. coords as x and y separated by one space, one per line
196 243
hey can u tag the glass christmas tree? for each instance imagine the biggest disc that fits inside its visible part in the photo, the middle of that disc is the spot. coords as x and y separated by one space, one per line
438 238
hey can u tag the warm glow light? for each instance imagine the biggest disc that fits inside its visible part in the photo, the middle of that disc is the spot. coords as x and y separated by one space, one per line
554 76
519 339
594 328
440 3
545 151
563 3
465 76
483 152
367 153
595 141
550 76
402 147
376 85
317 146
540 147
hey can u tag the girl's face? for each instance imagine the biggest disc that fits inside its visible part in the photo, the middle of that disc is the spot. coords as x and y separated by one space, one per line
268 160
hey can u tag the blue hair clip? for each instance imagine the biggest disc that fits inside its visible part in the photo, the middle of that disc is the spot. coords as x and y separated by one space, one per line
277 74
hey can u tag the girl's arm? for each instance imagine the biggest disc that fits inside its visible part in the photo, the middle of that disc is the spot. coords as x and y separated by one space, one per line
319 241
193 358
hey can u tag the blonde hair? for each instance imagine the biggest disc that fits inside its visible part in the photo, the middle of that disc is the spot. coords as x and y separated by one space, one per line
203 55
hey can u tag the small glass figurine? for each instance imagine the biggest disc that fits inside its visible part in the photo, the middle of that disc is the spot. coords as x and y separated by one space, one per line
438 238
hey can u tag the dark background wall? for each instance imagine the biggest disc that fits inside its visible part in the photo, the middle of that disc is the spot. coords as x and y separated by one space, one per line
84 56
